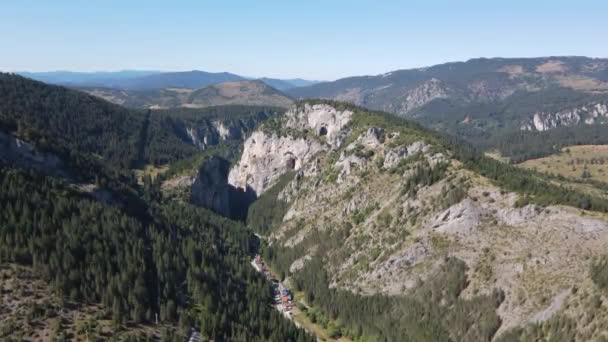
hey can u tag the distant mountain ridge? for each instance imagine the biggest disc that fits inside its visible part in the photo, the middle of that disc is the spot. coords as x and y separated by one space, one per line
96 78
148 80
485 98
476 80
241 92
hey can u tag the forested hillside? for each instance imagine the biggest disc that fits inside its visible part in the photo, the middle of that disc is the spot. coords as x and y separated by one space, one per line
386 230
394 232
148 259
483 100
53 117
65 121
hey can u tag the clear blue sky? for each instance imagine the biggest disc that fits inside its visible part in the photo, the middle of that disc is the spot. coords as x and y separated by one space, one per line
314 39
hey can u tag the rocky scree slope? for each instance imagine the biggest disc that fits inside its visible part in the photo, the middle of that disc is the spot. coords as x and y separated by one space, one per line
383 204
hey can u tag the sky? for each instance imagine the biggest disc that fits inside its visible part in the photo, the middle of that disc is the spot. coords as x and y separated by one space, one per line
312 39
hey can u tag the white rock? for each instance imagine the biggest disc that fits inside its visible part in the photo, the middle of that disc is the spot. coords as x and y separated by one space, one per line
266 157
324 119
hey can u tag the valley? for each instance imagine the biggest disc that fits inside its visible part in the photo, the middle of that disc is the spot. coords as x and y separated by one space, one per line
140 222
298 171
293 307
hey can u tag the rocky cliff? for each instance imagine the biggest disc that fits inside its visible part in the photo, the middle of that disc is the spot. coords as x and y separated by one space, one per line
14 151
587 114
211 190
269 154
206 132
385 207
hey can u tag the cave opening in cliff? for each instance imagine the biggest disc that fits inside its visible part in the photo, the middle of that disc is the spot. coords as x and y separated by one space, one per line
323 131
291 163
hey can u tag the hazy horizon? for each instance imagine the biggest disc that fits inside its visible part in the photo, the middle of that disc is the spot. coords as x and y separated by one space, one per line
282 78
316 40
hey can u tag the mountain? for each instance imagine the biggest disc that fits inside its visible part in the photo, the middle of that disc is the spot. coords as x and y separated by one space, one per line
97 79
394 232
93 252
186 79
246 92
135 80
241 92
385 229
152 80
477 80
482 98
285 84
67 121
277 83
299 82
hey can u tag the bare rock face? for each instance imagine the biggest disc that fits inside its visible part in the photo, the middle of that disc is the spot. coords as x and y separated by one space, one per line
323 119
206 133
395 155
266 157
372 138
542 121
461 218
545 121
423 94
350 160
211 190
23 154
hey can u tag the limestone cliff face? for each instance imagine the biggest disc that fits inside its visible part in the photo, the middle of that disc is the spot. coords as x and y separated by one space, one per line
419 96
268 155
589 114
211 190
23 154
206 133
322 119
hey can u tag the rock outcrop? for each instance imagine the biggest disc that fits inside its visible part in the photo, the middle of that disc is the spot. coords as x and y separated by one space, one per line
323 119
589 114
268 155
422 94
205 133
17 152
211 190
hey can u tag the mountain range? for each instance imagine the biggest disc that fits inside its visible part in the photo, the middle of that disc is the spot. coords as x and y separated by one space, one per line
495 103
142 224
151 80
242 92
520 107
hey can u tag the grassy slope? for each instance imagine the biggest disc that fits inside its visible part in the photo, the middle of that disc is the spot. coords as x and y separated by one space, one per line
572 161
